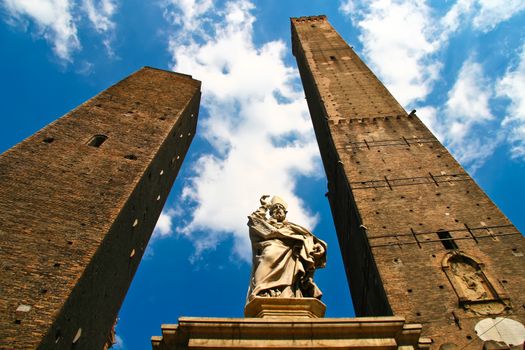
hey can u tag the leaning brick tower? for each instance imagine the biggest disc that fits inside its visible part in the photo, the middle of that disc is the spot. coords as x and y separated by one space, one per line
418 237
78 203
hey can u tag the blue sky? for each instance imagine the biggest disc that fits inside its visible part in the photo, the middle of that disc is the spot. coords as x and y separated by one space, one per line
461 64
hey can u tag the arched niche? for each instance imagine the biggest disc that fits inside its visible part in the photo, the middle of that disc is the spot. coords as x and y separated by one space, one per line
474 288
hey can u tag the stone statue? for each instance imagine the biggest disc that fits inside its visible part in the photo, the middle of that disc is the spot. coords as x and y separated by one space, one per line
285 255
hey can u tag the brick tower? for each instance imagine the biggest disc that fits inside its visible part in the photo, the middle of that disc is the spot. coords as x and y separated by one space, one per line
78 203
418 237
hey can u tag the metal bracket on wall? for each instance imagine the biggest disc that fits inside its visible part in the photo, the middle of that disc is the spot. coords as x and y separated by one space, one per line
409 181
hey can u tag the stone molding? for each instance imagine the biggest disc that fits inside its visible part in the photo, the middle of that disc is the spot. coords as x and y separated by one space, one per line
389 332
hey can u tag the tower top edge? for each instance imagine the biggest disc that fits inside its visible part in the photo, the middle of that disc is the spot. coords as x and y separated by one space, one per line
308 18
169 71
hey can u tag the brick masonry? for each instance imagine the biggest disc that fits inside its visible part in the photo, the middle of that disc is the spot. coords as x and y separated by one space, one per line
75 219
392 187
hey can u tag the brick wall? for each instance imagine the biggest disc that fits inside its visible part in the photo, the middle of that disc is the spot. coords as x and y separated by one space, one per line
75 219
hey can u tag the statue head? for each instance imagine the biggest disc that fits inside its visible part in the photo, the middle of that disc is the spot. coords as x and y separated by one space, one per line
278 209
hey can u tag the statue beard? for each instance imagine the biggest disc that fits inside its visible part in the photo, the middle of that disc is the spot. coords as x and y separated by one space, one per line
279 217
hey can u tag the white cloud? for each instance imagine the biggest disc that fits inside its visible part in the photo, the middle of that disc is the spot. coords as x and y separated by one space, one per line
468 101
467 124
58 21
399 44
54 20
493 12
100 13
164 226
119 343
512 86
483 15
347 7
457 15
187 13
258 125
429 115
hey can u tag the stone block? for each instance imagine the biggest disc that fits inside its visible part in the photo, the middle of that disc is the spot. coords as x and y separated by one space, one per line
285 307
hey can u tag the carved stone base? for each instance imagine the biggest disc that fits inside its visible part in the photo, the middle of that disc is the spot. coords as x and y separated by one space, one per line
285 307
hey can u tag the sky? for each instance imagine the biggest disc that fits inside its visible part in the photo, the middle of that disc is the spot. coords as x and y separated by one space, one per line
460 64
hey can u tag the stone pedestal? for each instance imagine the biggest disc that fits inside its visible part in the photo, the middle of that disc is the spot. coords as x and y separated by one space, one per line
291 333
285 307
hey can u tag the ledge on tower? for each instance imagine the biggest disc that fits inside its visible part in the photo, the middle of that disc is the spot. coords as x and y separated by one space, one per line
308 18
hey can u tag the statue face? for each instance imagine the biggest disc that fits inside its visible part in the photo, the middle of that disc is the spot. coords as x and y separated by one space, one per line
278 212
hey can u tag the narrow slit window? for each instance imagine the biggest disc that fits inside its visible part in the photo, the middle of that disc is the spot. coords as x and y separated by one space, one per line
97 140
446 240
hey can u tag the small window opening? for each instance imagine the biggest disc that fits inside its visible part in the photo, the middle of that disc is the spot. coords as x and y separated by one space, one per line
97 140
446 240
49 139
333 58
130 157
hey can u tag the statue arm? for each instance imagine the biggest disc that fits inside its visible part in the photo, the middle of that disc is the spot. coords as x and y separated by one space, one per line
260 226
319 253
260 212
263 208
316 249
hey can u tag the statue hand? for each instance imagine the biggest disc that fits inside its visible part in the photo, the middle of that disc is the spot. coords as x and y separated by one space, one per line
264 200
318 251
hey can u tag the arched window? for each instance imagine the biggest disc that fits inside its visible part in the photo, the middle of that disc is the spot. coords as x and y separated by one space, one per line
97 140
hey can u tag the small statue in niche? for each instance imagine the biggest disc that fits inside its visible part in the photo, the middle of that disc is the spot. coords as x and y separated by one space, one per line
284 255
470 279
474 288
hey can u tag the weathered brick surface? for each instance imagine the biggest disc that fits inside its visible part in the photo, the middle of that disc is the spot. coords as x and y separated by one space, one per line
75 219
392 187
